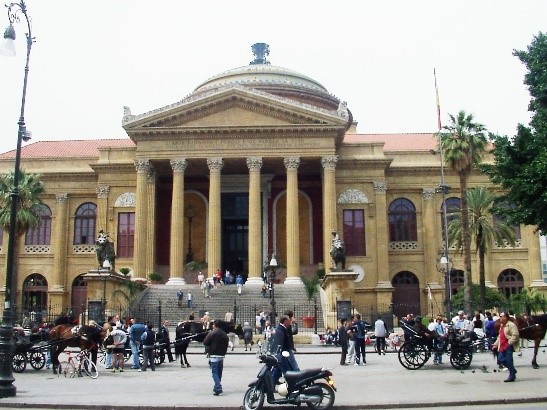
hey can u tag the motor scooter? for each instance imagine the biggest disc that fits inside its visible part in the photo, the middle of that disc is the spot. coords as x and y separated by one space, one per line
299 387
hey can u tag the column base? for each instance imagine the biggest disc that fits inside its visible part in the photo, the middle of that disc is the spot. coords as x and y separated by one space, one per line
176 282
293 281
254 281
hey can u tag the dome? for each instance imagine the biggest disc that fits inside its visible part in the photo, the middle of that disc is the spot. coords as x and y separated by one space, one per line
261 75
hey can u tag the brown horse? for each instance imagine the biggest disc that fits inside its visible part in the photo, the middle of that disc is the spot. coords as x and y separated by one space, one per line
531 328
84 337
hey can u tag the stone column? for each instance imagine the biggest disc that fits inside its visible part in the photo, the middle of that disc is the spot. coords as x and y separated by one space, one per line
382 234
213 229
430 250
60 238
151 221
293 229
141 214
176 252
255 232
102 207
329 207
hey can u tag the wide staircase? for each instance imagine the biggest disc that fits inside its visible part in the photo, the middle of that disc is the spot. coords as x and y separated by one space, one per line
225 298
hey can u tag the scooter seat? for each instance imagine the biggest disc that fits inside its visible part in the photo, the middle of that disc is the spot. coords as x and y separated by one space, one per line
302 374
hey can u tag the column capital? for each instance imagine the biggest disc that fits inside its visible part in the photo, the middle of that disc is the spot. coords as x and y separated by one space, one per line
61 197
102 191
214 164
142 165
380 187
254 163
291 163
178 164
428 194
329 162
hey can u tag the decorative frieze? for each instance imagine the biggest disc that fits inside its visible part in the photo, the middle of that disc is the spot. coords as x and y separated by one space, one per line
291 163
254 163
61 197
380 187
403 246
214 164
127 199
142 165
352 196
83 249
329 162
37 249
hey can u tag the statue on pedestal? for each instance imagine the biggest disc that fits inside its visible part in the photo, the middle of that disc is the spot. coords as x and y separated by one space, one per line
337 252
105 251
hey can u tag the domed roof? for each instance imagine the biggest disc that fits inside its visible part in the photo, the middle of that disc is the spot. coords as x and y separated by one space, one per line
261 75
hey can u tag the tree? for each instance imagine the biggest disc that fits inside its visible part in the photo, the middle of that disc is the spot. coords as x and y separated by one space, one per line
482 230
520 162
494 298
463 142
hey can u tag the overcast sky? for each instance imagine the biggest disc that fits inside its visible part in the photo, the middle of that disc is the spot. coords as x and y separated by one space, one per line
93 57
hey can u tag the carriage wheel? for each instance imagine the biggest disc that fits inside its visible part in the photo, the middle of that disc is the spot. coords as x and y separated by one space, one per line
19 362
460 358
413 355
37 360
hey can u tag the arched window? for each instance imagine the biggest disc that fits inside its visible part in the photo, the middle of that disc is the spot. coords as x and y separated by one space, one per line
510 282
84 224
402 221
456 280
35 295
41 233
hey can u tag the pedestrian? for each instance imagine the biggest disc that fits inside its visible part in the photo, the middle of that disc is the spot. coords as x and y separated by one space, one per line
281 343
108 327
201 279
293 330
343 341
206 321
438 343
351 341
506 343
268 333
135 332
216 343
148 339
247 335
190 299
209 287
359 327
118 338
380 332
166 341
239 284
264 289
180 296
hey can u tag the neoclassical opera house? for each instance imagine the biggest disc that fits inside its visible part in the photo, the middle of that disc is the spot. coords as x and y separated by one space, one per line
256 160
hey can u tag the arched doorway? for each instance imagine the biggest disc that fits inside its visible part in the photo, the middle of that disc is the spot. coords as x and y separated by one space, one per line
35 296
456 280
79 295
406 294
510 282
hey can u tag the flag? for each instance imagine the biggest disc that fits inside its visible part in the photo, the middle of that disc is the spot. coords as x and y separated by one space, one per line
429 295
437 100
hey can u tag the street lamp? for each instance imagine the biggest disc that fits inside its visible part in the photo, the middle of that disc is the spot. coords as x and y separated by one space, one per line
273 266
443 266
7 388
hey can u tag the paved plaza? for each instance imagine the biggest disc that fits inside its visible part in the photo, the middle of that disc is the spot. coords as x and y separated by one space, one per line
382 383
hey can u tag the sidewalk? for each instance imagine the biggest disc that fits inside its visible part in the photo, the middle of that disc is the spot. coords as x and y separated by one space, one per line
383 383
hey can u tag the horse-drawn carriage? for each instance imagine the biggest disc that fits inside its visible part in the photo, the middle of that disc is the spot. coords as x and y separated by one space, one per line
417 349
28 349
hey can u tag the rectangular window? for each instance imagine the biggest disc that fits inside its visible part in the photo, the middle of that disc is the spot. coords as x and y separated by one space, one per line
354 232
126 234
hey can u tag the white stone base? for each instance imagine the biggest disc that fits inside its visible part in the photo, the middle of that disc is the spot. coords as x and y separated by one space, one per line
293 281
176 282
254 281
315 340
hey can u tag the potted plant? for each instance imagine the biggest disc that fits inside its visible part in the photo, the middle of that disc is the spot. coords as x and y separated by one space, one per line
311 287
125 271
155 277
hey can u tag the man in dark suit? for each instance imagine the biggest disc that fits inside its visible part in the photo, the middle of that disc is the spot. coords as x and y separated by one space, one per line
166 341
281 343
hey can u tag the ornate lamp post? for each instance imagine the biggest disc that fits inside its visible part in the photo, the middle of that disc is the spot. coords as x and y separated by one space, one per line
443 266
273 266
7 389
106 266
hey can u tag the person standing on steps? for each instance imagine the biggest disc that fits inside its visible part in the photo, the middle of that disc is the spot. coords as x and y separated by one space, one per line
190 299
180 296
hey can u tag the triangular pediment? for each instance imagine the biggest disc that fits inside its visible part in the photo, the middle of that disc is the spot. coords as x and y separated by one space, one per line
233 107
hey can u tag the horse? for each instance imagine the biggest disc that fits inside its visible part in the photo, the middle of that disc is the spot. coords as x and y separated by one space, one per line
338 255
531 328
65 335
194 330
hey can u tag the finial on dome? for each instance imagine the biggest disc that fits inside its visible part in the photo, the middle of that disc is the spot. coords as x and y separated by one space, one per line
260 51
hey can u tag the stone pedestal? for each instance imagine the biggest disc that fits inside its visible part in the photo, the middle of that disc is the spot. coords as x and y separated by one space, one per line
338 285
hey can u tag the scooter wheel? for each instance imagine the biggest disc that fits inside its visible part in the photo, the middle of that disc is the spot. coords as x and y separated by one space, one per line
327 399
253 399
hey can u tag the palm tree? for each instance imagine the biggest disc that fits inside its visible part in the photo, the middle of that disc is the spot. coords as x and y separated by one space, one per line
483 231
30 189
463 144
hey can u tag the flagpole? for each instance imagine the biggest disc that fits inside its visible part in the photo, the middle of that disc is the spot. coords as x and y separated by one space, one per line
444 189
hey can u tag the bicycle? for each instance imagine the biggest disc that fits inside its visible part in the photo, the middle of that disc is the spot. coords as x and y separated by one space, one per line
78 364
